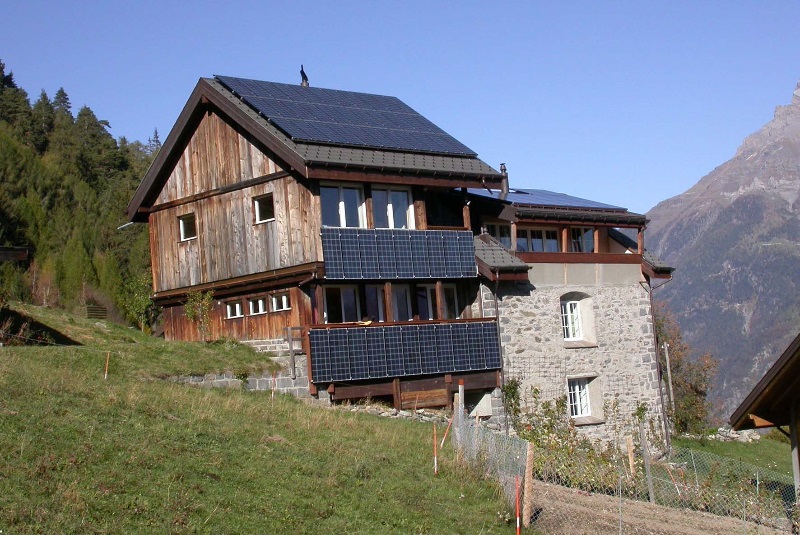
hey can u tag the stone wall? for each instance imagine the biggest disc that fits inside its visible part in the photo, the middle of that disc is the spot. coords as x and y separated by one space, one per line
621 360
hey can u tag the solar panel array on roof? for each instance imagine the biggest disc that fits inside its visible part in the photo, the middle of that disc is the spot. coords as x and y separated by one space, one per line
359 254
540 197
358 353
316 115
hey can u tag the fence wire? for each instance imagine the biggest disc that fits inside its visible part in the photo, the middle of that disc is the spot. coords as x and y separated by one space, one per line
693 491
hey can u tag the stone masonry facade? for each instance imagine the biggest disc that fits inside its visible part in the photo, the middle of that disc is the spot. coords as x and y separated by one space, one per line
620 363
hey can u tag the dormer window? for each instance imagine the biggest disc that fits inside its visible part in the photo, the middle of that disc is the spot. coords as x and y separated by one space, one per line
188 227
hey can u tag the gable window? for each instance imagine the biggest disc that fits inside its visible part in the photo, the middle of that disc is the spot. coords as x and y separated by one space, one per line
537 241
234 309
501 233
188 227
577 320
578 397
264 208
582 239
341 304
342 206
258 306
280 302
392 208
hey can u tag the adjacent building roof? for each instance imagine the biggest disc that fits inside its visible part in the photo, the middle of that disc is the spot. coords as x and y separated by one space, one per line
769 403
496 262
319 132
658 265
544 198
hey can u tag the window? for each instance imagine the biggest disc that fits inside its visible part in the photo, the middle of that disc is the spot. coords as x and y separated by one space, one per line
392 208
401 302
577 320
426 300
537 241
280 302
375 303
234 309
578 397
501 233
582 239
571 320
188 227
258 306
341 304
264 208
342 206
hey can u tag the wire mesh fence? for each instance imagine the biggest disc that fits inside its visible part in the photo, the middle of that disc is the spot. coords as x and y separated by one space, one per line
692 491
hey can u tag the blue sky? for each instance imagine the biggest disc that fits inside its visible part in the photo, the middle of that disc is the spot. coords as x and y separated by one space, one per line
627 103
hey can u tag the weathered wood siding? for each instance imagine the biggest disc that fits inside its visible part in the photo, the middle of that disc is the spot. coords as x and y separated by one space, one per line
257 327
229 244
216 156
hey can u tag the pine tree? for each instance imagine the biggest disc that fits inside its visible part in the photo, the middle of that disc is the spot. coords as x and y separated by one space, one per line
42 123
153 143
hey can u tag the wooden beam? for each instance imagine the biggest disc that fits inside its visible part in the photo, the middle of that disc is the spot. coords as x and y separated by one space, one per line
580 258
439 290
445 180
793 428
388 303
759 423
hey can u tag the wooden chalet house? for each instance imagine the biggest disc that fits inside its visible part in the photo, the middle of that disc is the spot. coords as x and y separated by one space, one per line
339 215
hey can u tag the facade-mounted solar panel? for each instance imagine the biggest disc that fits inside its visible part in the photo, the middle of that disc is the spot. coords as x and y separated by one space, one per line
369 254
328 116
377 352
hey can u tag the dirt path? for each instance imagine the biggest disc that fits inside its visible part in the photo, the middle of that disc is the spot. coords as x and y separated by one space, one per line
570 511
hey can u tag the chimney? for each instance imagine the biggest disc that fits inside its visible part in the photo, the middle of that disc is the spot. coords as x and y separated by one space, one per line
503 182
303 77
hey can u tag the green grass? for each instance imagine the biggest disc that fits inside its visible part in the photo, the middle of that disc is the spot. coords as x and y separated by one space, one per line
765 453
134 453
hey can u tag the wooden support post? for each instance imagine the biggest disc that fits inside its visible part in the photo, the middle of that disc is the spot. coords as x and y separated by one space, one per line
527 503
388 302
448 381
564 239
596 240
646 456
396 394
631 459
640 241
439 300
465 210
318 304
368 206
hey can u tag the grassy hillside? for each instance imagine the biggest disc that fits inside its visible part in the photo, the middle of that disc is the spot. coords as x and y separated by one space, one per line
135 453
766 453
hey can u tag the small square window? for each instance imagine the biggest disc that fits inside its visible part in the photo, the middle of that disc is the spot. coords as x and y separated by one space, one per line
234 309
264 208
280 302
188 227
258 306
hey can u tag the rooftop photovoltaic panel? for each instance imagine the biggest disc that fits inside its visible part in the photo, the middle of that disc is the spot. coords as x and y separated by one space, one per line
376 352
364 254
329 116
540 197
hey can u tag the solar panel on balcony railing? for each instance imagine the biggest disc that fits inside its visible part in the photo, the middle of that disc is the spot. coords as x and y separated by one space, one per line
375 352
358 254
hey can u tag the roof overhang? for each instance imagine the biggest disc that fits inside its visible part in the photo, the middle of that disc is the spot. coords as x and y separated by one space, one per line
769 403
13 253
313 161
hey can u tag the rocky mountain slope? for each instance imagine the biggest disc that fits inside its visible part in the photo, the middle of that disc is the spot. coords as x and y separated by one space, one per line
735 239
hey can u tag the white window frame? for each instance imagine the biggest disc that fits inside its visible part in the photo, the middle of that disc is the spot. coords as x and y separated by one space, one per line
362 219
184 227
493 229
258 208
280 302
571 325
528 233
258 305
390 206
578 397
234 310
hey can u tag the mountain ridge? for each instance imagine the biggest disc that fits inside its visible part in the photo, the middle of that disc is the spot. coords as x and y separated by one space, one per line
734 238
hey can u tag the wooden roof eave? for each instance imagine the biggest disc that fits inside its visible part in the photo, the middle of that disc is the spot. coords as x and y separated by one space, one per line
771 398
410 177
204 95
